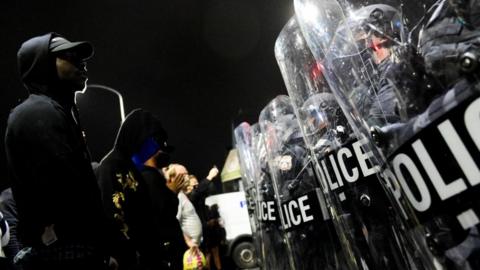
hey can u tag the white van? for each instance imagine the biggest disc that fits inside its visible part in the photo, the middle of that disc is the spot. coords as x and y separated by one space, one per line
232 208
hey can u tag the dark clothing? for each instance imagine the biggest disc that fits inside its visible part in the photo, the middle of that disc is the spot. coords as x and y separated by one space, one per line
71 257
124 201
9 210
126 196
164 211
204 189
384 104
214 232
53 182
443 41
49 164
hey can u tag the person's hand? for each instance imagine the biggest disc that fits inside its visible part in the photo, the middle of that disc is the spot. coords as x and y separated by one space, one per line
212 173
191 243
194 249
178 182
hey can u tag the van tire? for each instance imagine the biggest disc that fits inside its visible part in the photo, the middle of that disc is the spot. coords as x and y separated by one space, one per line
243 255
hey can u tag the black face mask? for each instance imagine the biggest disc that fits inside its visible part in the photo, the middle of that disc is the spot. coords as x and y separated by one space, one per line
162 159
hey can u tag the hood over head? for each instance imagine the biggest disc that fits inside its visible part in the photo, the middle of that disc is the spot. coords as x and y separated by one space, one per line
36 61
139 127
36 64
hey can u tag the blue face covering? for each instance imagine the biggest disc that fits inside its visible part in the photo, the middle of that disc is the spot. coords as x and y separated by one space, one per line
149 148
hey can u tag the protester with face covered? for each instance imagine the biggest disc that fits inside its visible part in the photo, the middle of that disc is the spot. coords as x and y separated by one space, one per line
59 205
135 241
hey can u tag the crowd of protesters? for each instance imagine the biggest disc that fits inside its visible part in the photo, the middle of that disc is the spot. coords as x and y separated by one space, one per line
133 210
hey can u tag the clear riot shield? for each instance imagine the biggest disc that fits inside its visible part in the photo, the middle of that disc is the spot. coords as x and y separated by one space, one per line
243 141
274 248
419 108
304 213
365 222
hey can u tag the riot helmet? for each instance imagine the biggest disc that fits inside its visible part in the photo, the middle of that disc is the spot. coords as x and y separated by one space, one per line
326 123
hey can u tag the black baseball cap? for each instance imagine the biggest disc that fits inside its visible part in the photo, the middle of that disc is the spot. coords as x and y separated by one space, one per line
83 48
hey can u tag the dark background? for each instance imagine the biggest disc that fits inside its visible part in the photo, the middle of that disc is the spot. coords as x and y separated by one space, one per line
202 66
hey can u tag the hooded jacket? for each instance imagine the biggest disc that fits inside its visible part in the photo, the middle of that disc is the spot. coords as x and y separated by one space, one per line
53 182
164 210
125 194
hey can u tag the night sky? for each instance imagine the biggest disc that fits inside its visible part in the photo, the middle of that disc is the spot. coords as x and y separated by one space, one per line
201 66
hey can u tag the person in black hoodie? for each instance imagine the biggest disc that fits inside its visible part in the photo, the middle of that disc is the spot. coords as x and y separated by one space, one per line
136 243
165 206
59 205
